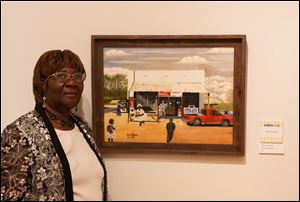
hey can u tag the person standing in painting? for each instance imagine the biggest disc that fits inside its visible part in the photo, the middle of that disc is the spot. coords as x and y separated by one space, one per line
111 134
162 109
118 110
170 130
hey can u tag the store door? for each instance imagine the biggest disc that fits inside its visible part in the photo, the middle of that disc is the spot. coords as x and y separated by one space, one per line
170 110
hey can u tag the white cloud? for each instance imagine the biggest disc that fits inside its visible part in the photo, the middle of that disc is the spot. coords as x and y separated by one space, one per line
216 79
115 70
221 50
113 53
193 60
219 87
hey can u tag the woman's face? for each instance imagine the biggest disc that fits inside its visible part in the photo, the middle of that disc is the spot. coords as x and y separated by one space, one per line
63 96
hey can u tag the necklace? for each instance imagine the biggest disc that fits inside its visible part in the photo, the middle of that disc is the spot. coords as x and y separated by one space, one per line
63 122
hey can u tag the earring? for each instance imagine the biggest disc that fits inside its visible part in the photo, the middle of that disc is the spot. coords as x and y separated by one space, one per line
44 102
76 108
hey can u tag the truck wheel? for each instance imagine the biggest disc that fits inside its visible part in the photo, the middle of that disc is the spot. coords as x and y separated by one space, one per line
197 122
225 123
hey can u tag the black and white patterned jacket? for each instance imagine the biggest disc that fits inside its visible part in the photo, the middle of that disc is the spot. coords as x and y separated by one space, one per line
34 166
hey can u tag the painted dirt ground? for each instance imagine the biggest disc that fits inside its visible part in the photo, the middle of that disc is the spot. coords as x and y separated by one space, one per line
155 132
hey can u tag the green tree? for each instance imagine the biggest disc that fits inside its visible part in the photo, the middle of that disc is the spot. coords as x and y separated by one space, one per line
115 87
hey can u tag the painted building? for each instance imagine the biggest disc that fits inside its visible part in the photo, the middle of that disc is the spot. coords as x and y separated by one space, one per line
181 91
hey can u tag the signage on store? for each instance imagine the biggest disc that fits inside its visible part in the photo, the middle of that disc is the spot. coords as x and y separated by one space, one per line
164 94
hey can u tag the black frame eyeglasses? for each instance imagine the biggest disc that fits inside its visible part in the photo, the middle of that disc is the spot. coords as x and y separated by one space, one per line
63 77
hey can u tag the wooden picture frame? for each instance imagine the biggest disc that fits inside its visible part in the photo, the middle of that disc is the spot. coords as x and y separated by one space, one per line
198 81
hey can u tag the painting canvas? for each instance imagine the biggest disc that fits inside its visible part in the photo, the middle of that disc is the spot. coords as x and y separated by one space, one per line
168 95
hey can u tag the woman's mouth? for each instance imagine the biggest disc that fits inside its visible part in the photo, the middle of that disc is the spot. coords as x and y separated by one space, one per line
71 95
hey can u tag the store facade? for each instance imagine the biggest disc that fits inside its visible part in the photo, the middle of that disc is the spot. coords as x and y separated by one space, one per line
177 92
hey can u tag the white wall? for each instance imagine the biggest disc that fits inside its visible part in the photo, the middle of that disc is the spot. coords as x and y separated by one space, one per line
272 29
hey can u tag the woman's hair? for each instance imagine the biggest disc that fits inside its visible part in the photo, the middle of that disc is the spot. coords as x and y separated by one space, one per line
49 63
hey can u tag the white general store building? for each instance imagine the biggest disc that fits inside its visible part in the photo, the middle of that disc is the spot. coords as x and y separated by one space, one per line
182 90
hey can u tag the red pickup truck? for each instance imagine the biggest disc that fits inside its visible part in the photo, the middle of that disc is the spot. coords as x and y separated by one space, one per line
209 116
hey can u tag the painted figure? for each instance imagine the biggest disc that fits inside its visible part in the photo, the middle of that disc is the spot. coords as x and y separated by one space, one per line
170 130
162 109
140 114
111 134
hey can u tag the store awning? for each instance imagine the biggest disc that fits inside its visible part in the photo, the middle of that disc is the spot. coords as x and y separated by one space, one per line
192 87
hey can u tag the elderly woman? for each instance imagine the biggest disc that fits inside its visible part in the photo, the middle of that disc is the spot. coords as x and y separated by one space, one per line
49 153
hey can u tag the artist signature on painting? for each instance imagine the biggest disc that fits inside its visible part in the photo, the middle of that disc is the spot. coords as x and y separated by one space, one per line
131 135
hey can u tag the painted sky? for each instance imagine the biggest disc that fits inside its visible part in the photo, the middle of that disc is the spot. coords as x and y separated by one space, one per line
217 63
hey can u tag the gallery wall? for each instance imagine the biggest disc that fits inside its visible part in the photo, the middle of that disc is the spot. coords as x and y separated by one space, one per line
272 29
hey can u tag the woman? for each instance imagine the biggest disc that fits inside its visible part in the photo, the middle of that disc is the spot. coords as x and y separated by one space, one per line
49 153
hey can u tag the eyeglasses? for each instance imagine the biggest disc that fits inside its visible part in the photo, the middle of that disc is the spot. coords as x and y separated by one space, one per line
63 77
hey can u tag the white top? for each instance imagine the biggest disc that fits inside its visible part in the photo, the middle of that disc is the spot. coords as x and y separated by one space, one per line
86 170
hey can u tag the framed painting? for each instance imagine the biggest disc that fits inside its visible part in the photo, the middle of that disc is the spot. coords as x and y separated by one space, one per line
169 93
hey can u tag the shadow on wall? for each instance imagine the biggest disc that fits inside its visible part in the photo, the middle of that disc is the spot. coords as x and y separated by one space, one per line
191 158
84 113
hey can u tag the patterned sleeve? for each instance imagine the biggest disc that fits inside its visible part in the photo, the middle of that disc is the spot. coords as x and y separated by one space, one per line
15 164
